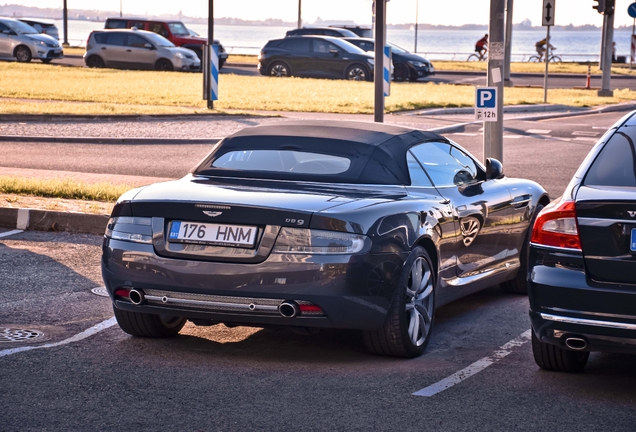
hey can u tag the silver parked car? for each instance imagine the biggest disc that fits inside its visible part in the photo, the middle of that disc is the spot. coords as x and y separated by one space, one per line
137 49
43 26
23 42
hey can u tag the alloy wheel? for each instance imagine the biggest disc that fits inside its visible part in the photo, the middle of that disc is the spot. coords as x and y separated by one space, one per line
419 301
279 70
357 74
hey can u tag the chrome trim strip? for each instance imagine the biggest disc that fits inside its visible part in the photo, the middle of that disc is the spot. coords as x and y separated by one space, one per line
460 281
253 307
603 222
583 321
555 248
632 317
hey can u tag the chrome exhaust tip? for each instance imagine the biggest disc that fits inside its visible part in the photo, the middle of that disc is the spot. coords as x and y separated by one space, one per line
136 297
576 343
288 309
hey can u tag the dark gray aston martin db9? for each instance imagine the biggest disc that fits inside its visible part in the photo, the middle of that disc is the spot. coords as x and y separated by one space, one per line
348 225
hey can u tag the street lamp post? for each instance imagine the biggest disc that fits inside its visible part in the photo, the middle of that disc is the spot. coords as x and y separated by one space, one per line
300 19
65 18
417 4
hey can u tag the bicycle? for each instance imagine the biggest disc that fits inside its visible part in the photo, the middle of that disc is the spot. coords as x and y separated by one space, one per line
483 56
553 58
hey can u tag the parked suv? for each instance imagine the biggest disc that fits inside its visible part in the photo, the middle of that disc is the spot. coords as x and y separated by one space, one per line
315 56
23 42
43 26
321 31
137 49
175 31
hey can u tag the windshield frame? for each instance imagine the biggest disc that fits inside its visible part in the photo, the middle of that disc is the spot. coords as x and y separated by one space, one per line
347 46
158 40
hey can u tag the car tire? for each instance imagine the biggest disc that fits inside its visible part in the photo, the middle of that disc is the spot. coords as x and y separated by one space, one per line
23 54
357 72
164 65
46 61
400 72
519 285
554 358
95 62
148 325
414 299
279 69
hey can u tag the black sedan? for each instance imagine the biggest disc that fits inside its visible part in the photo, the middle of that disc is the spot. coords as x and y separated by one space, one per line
315 56
582 279
407 66
307 225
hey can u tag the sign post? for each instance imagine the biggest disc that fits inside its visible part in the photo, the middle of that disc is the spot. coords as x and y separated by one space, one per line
378 67
386 66
631 11
493 126
608 15
548 21
210 79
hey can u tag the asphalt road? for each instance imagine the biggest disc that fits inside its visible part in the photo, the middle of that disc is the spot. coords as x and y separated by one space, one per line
547 151
86 374
457 77
215 378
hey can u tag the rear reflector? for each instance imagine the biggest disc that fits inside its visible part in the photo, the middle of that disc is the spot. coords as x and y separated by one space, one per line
122 292
310 309
556 226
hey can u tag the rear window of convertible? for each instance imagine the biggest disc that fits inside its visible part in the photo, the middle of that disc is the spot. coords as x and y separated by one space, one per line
283 161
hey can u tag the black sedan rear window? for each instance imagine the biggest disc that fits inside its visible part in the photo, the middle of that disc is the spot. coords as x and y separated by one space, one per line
616 163
283 161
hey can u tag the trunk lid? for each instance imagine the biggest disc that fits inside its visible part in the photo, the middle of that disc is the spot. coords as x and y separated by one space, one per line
263 206
606 219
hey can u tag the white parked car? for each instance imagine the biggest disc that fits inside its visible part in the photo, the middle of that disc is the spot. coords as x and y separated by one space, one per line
25 43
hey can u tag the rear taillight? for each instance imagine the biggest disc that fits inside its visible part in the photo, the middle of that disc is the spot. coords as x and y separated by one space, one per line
556 226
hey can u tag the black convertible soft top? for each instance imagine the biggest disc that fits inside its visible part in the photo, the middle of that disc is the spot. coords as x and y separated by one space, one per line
377 151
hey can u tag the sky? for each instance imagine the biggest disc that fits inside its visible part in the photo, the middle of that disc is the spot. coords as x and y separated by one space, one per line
447 12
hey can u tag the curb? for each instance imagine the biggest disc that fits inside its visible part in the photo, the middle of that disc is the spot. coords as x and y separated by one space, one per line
45 220
98 140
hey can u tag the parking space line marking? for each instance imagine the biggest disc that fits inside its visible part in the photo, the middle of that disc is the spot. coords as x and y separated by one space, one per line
78 337
474 368
10 233
538 131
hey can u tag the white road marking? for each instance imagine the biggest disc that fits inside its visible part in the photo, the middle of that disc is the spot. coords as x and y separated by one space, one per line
513 136
10 233
78 337
600 127
474 368
586 139
585 133
539 131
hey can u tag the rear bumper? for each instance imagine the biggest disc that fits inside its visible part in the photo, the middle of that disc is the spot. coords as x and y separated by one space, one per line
565 303
345 287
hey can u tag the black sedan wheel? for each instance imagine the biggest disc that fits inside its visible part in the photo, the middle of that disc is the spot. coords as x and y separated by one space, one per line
95 62
357 73
164 65
148 325
279 69
400 73
23 54
409 322
554 358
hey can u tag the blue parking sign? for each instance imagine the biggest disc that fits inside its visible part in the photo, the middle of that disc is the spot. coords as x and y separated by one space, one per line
486 104
487 97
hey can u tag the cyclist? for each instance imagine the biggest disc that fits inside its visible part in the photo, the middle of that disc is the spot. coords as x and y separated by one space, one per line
481 47
541 47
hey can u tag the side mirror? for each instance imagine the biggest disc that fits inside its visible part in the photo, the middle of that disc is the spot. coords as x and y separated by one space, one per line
494 169
148 46
335 52
8 32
